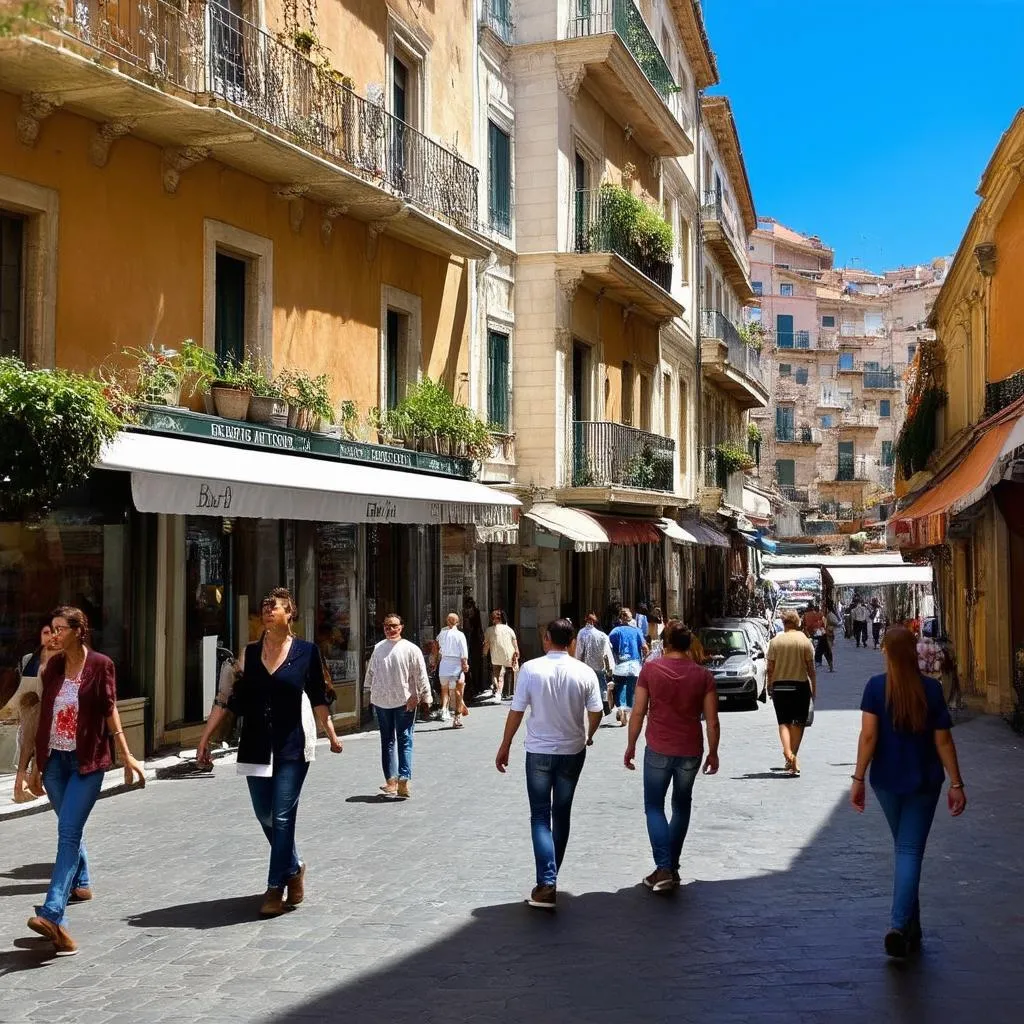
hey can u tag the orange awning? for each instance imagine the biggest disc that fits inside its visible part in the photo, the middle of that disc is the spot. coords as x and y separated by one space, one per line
626 531
923 524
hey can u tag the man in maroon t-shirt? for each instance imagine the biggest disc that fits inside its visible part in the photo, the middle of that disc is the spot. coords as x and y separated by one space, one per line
672 693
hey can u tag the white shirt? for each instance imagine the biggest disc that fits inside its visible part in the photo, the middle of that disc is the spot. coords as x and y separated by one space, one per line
594 649
397 672
557 689
452 643
501 644
860 613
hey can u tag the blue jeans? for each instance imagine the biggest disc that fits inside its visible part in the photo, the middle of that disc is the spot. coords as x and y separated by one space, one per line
396 724
276 803
910 820
660 771
72 796
550 785
625 691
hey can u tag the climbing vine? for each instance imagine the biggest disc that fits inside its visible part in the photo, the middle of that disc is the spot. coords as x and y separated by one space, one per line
925 396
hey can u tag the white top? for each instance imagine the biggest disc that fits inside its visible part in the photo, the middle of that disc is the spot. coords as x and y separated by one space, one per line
397 672
557 689
452 643
860 613
64 725
501 644
594 649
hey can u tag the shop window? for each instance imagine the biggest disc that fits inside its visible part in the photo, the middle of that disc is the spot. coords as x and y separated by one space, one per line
499 179
337 609
12 249
229 316
497 380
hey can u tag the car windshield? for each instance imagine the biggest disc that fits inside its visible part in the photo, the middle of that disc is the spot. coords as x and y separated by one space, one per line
721 643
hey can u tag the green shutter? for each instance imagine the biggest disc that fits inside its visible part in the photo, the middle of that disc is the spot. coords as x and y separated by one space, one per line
499 179
497 380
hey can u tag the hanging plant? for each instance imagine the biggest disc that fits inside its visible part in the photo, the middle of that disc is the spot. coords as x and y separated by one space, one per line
754 434
752 335
917 439
732 457
53 424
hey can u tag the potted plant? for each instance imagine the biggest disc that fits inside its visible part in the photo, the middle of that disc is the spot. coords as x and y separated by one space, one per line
157 375
379 423
348 417
198 368
309 398
232 391
268 405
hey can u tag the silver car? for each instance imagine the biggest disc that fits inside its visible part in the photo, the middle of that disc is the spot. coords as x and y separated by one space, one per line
737 661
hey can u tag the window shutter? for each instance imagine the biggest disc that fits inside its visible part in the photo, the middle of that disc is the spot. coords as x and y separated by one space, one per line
497 380
499 178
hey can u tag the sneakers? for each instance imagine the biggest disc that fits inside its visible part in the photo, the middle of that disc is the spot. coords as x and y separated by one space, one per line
661 880
446 715
81 894
273 903
296 891
403 789
63 944
543 897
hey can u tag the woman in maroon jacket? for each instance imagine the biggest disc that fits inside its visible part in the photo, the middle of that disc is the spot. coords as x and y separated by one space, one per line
77 718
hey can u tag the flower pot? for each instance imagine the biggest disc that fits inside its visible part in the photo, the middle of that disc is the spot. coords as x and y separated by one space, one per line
192 395
170 395
231 401
271 412
299 418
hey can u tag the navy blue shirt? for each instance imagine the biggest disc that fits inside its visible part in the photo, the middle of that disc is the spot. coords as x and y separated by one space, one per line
906 762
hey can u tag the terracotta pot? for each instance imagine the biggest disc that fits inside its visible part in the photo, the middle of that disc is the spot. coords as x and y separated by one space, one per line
298 418
271 412
230 401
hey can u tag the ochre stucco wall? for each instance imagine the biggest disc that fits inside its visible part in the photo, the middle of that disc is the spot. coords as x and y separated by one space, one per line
130 262
1006 331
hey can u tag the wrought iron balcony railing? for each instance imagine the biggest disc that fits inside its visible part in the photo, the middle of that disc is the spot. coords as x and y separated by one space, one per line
859 418
615 455
497 16
602 17
881 379
206 48
787 433
797 495
714 208
742 356
857 468
1001 393
597 230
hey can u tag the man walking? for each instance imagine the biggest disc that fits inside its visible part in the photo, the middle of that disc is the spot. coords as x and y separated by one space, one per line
792 683
451 655
860 614
397 677
560 691
877 622
595 650
501 644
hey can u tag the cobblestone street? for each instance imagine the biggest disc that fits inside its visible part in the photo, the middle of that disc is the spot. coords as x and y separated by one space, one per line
415 912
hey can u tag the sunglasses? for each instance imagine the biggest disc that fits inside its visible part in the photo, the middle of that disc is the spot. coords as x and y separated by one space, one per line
392 625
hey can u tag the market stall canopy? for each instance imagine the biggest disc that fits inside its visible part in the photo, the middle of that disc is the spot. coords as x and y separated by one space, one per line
675 532
570 523
624 531
814 560
879 575
792 575
705 535
181 477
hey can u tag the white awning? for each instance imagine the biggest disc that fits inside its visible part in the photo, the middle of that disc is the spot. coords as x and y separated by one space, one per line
675 532
792 574
570 523
879 575
182 477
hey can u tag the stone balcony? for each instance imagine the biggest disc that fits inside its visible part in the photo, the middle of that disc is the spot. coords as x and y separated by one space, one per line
730 363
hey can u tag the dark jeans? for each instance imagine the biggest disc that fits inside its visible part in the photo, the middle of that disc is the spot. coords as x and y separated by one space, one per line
73 797
660 771
822 650
550 785
396 724
876 632
860 632
276 803
910 819
625 691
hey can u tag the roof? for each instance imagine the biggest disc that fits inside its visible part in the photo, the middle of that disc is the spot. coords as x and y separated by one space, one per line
718 115
701 57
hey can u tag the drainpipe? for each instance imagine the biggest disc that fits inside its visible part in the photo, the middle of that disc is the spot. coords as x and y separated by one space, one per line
698 279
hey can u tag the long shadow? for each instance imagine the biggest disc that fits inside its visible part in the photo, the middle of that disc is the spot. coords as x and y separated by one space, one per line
22 890
29 871
371 798
202 915
29 955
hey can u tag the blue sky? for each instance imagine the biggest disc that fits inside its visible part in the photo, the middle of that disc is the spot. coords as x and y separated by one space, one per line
870 122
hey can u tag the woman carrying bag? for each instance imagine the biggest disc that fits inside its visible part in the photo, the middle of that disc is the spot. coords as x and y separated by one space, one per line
280 696
25 705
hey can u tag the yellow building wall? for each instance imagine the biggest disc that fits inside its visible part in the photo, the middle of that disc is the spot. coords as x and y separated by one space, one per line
130 262
1006 329
604 132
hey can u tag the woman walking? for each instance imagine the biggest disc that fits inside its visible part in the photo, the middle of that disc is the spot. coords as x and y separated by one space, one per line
673 691
281 695
25 707
905 737
792 685
77 719
629 648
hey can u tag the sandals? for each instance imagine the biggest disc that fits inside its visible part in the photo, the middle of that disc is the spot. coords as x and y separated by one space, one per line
457 724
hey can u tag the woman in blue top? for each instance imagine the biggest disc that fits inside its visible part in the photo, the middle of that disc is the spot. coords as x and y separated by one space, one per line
281 696
630 648
905 737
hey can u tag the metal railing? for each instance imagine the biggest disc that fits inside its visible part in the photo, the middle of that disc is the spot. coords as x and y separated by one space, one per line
804 341
1001 393
883 379
714 208
598 230
206 48
859 418
788 433
497 16
841 511
608 454
741 355
857 468
601 17
797 495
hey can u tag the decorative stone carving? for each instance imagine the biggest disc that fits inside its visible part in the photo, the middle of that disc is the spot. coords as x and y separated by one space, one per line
35 108
293 194
177 160
376 228
655 166
985 254
563 339
568 281
482 266
627 132
570 78
104 138
331 214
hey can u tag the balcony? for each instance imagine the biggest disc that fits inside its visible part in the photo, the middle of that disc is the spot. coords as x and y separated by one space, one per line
203 83
789 434
608 254
610 50
792 343
796 495
859 419
725 238
613 455
496 15
882 380
719 484
856 469
730 363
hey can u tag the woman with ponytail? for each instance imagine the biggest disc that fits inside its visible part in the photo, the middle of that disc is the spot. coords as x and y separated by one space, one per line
905 738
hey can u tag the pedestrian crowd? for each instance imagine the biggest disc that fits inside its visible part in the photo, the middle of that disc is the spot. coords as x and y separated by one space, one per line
651 671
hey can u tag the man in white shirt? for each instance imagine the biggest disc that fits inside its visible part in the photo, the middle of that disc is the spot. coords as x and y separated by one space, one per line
451 655
501 644
593 648
564 699
398 681
860 614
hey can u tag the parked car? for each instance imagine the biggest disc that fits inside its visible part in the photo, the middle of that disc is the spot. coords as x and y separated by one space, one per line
757 628
737 661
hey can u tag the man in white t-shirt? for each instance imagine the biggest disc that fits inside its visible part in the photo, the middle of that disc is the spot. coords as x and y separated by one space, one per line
451 654
564 699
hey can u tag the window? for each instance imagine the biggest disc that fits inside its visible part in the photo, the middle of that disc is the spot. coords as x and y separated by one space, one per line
785 369
684 249
397 331
785 472
684 419
827 371
911 352
754 315
399 344
887 457
872 367
845 360
846 398
497 380
784 330
826 420
885 408
828 321
499 179
580 381
873 324
12 283
758 287
628 386
229 314
784 420
782 266
786 290
666 404
801 375
646 401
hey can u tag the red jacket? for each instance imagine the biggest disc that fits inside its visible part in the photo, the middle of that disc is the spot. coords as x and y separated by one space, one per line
97 698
